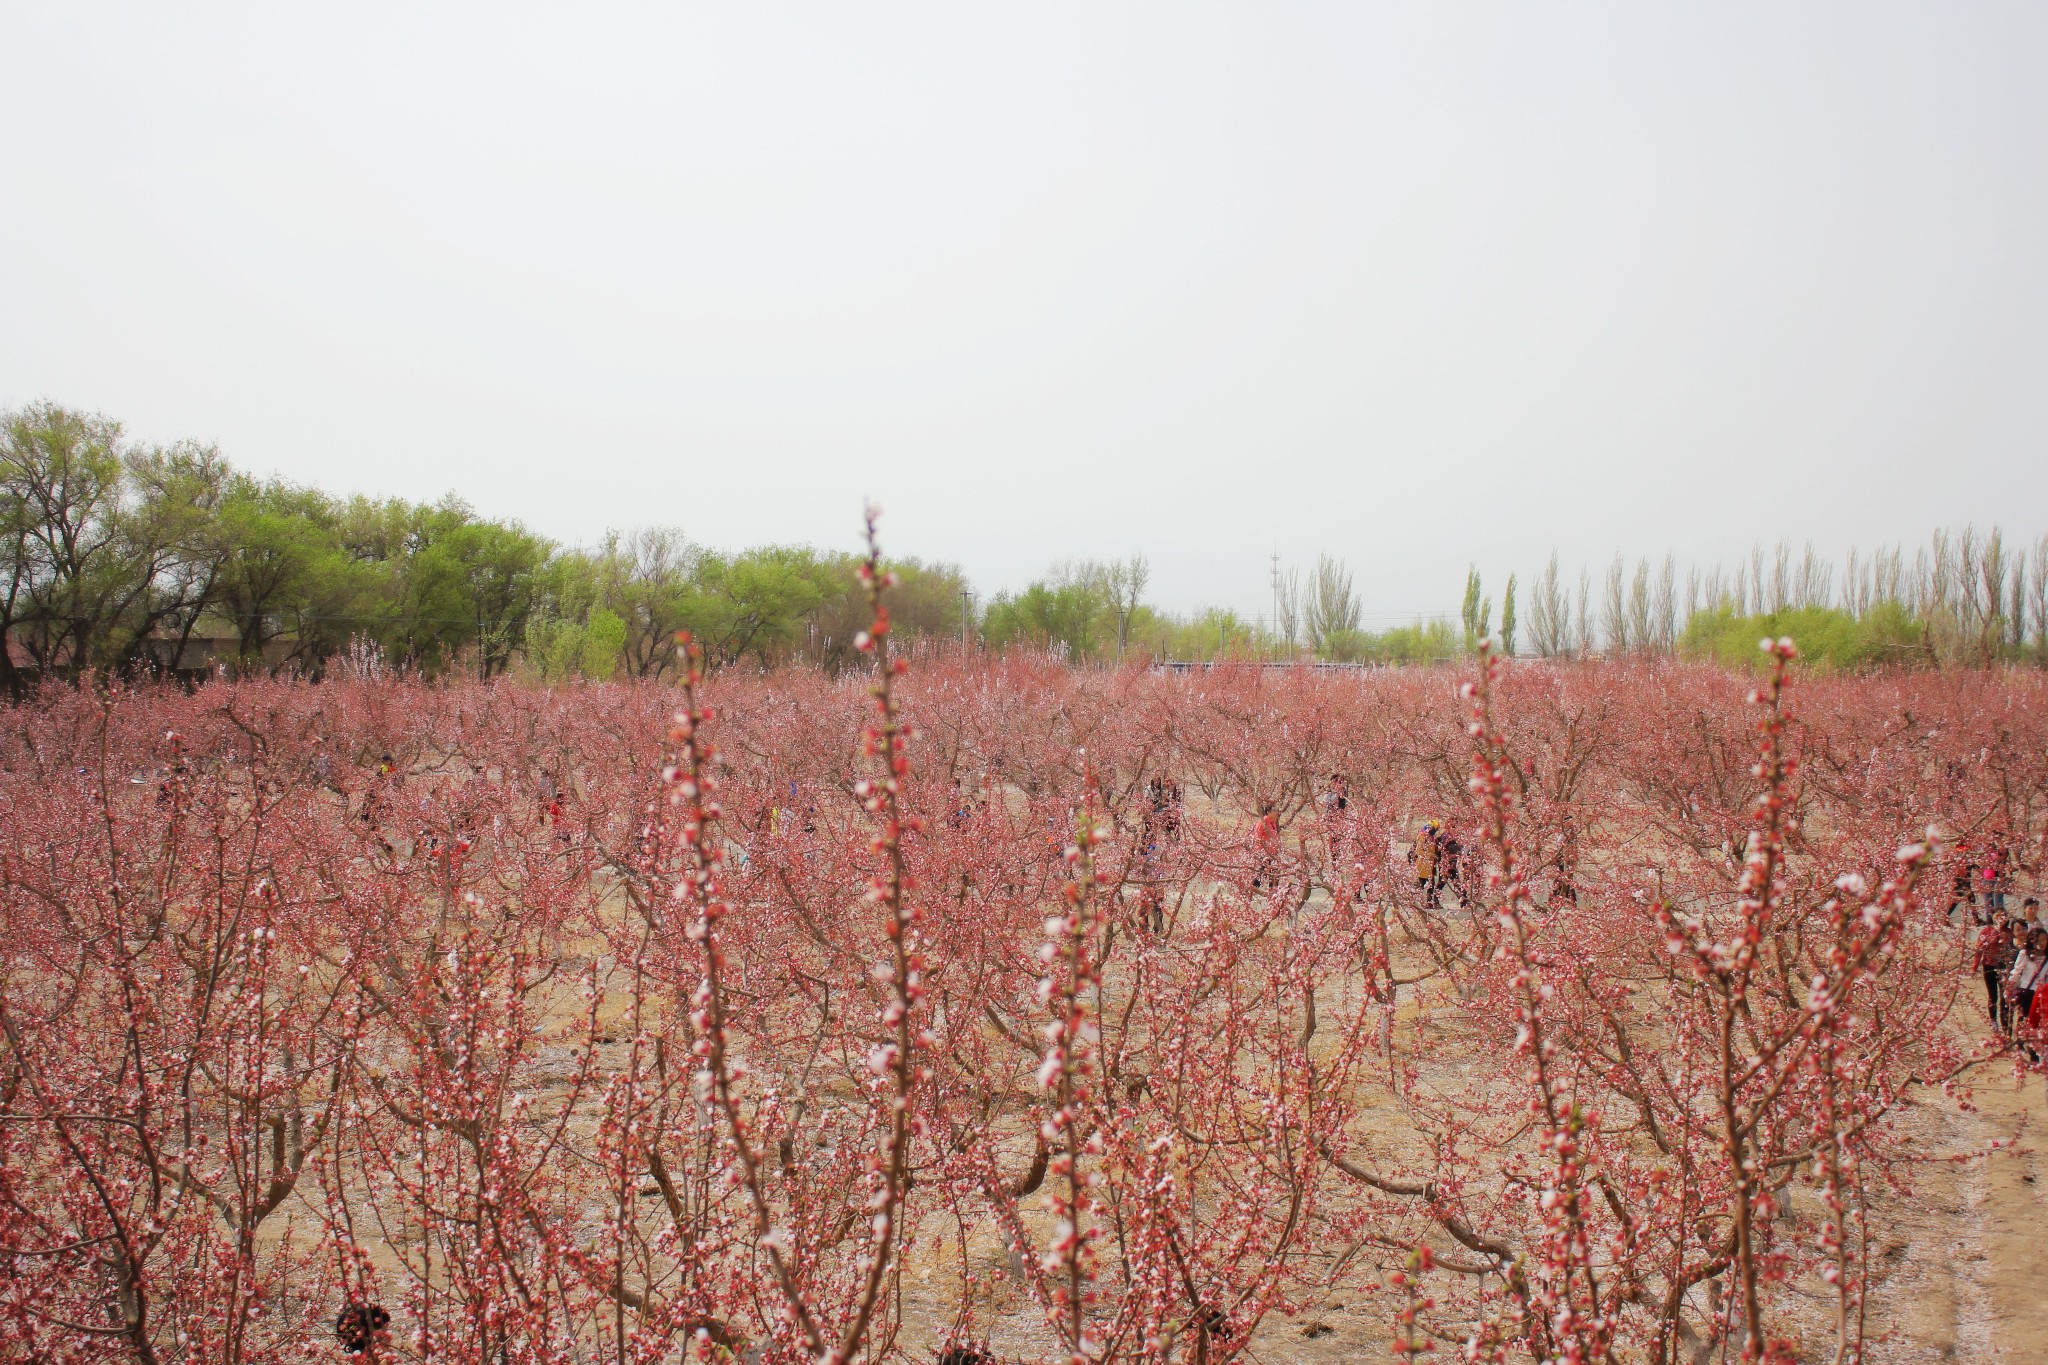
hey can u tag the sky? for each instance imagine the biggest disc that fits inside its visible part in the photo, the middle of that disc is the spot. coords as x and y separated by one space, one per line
1419 286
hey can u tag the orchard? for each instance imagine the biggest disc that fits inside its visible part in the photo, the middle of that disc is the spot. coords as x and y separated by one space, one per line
986 1009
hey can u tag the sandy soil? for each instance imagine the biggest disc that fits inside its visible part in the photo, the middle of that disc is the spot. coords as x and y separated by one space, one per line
1959 1271
1959 1266
1966 1277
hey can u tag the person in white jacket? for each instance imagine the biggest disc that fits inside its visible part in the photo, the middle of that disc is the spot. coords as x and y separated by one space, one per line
2029 967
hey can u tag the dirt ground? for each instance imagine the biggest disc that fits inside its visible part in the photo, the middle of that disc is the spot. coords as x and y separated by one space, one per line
1959 1266
1966 1274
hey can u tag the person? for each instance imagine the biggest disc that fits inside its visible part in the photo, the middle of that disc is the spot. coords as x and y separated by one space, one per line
360 1326
1963 889
1151 879
1152 908
2028 965
167 791
963 810
1335 802
1993 942
1564 888
1151 891
2035 1025
1995 877
1337 795
1423 855
1155 800
2011 947
1266 843
1450 865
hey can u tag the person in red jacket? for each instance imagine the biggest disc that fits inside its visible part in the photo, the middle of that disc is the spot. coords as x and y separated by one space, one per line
2035 1026
1266 847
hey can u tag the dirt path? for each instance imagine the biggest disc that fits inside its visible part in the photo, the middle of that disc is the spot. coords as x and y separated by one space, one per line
1959 1266
2006 1259
1960 1270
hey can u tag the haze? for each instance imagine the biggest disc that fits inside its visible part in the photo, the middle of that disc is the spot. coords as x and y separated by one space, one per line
1417 286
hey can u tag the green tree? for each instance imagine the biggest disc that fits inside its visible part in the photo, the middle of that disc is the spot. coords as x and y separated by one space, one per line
756 602
1887 633
1332 610
1507 619
431 608
95 532
925 602
377 537
1068 617
648 579
62 474
17 547
175 496
501 563
279 569
1121 584
1418 643
565 593
601 644
1469 613
435 583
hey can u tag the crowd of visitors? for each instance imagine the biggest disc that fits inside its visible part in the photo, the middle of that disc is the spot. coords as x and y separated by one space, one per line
2011 950
2012 955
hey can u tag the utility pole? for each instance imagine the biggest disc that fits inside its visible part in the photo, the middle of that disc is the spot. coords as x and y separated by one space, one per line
966 616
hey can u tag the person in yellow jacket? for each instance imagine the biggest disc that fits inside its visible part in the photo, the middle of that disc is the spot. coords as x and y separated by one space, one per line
1424 856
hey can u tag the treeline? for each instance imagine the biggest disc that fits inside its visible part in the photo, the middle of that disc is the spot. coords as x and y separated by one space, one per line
135 558
1094 611
129 558
1965 598
1320 613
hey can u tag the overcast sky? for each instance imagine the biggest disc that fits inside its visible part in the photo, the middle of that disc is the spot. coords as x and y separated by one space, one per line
1413 284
